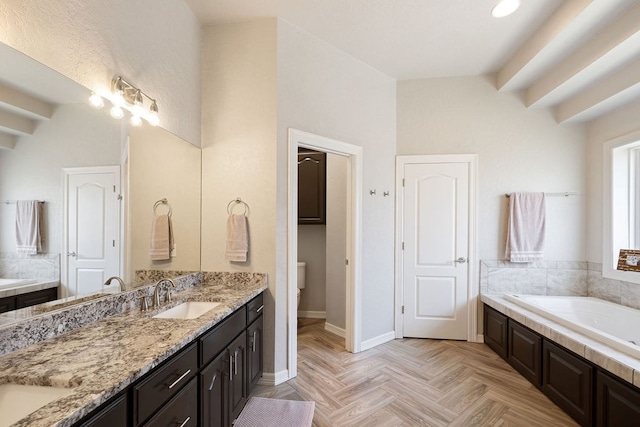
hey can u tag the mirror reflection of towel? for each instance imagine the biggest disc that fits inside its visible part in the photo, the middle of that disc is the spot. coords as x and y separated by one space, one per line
28 223
162 245
237 239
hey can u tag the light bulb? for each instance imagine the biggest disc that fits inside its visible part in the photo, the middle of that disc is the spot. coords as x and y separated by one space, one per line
137 104
153 118
505 8
116 112
135 121
96 100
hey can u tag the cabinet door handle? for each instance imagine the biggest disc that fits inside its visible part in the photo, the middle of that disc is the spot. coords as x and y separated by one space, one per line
235 363
184 423
230 367
259 309
213 380
253 342
180 378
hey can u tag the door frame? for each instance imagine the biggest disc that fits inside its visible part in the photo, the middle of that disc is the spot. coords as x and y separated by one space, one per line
354 154
66 172
473 278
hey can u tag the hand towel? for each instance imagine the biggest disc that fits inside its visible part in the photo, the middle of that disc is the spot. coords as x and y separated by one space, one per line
162 245
526 227
28 223
237 238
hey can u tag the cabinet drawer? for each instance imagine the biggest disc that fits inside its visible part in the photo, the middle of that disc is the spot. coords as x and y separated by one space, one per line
164 382
254 309
181 411
114 414
220 336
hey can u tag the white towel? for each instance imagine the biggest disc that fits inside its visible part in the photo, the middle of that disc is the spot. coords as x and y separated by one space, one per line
526 227
162 245
28 223
237 239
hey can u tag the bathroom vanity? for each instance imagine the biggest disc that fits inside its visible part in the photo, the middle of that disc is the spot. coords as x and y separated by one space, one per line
133 369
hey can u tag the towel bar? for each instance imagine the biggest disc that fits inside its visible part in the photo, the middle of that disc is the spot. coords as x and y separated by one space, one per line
565 194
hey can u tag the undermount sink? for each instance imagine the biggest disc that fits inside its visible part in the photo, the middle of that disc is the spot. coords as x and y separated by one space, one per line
187 310
17 400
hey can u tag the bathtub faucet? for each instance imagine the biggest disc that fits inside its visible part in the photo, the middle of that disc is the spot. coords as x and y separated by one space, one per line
123 287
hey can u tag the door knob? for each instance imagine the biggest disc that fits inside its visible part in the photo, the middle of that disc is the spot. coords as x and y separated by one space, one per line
71 254
461 260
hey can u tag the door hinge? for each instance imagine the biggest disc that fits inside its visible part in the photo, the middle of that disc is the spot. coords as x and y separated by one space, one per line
346 262
403 246
403 309
119 196
403 182
114 243
114 188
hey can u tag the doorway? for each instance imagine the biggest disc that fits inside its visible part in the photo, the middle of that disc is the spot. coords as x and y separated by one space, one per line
353 154
437 284
91 228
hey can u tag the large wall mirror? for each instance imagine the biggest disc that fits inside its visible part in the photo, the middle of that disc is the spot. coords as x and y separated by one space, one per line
50 135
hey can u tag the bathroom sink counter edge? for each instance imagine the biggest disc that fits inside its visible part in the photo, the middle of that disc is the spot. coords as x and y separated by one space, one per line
103 358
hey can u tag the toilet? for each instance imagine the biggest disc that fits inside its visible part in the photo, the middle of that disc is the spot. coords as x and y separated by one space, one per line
302 271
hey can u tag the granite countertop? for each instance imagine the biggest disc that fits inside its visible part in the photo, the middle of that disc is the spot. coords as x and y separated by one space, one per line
103 358
618 363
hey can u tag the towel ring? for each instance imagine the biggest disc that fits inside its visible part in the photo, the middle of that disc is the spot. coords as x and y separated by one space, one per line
161 202
232 204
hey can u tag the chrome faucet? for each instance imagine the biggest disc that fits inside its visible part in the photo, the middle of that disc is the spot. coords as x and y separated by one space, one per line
167 295
123 287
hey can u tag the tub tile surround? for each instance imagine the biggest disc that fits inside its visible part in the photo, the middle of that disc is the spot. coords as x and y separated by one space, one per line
20 266
614 361
103 358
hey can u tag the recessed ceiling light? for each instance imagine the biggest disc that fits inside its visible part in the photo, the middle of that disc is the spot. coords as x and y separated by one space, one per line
505 8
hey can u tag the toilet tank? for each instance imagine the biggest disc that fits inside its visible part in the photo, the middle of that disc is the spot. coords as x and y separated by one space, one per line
302 273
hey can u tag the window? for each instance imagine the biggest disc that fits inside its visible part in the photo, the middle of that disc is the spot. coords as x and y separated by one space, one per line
621 204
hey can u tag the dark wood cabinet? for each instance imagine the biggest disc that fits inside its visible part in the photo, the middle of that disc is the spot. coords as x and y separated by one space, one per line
237 376
214 393
181 410
254 353
114 414
495 331
27 300
525 349
312 182
568 381
163 383
618 405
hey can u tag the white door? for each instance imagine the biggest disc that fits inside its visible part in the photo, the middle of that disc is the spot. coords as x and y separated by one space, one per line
435 229
93 228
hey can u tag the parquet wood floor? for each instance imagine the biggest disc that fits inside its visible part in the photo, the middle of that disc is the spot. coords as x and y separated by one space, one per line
411 382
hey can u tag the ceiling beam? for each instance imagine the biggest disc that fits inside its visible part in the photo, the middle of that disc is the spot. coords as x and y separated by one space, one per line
16 124
557 22
627 24
601 91
7 142
18 101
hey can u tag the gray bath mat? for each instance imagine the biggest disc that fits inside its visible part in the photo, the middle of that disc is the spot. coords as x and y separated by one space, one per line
263 412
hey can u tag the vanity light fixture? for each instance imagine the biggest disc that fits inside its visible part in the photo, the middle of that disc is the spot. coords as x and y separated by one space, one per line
505 8
127 96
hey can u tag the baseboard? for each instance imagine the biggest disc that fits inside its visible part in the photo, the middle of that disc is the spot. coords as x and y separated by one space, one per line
341 332
312 314
269 378
480 338
380 339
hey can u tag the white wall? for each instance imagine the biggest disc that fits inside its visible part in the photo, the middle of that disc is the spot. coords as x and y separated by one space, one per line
239 158
164 166
336 246
154 45
519 149
312 246
324 91
76 135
